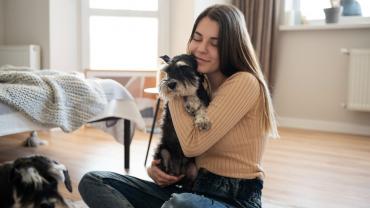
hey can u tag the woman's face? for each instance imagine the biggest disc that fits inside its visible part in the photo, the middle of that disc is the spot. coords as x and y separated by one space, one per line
204 46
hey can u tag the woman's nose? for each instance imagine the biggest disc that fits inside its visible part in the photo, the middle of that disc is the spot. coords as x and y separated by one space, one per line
202 47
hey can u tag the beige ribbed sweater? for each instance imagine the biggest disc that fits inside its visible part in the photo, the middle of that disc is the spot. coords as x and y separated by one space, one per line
234 145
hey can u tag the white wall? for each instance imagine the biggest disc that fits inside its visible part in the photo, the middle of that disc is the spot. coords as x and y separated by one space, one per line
181 22
310 81
201 5
2 22
52 24
65 46
27 22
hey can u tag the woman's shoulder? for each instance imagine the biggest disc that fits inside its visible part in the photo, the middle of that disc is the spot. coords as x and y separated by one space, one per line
243 78
240 82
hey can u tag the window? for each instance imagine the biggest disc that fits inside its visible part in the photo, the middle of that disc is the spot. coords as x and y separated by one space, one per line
312 11
124 34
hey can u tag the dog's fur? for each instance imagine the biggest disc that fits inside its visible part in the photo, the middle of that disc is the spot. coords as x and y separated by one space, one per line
182 79
32 182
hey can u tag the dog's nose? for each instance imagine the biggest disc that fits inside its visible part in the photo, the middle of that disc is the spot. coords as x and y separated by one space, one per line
172 85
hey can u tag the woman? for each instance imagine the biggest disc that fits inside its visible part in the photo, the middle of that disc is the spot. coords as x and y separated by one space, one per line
228 155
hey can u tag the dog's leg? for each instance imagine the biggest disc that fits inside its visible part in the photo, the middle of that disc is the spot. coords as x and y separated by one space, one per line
194 107
202 121
166 159
192 104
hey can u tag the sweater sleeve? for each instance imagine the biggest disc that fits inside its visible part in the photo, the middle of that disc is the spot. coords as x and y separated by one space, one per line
233 100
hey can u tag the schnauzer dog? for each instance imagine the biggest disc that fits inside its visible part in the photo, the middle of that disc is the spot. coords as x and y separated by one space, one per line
182 79
32 182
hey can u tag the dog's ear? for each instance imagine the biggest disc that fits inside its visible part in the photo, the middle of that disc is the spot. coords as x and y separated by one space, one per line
67 180
14 175
165 58
192 61
60 173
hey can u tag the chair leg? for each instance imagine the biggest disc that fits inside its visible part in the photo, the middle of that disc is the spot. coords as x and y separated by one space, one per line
152 130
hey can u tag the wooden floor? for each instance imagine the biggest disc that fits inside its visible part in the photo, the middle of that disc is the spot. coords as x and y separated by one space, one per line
303 168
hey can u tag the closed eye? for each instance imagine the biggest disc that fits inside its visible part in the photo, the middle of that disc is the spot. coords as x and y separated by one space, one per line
197 36
214 42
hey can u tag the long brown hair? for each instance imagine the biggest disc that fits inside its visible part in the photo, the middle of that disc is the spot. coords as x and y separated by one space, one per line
236 54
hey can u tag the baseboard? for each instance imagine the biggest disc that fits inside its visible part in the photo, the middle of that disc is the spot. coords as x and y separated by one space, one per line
336 127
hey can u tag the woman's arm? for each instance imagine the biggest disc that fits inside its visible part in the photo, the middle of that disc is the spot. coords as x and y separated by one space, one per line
234 98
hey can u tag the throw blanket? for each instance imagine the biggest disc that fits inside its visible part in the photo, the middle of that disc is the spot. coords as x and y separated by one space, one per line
52 98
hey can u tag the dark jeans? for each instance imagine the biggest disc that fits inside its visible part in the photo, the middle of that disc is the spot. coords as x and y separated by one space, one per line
107 189
234 191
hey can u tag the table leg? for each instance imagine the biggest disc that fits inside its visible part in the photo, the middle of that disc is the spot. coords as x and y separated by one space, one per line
127 142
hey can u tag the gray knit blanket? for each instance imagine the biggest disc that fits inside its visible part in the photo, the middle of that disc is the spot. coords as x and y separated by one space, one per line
52 98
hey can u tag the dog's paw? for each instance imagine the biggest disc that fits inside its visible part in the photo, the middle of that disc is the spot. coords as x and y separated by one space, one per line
190 108
202 123
192 105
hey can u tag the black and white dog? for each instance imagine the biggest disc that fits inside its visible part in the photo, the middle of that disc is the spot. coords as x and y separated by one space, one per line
32 182
182 79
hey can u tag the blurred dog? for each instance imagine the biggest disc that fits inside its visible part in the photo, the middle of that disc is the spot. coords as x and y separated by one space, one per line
182 79
32 182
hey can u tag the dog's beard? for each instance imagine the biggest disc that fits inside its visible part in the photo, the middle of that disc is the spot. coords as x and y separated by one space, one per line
54 200
182 89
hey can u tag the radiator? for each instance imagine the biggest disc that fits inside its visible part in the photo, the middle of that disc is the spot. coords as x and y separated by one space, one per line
359 80
20 55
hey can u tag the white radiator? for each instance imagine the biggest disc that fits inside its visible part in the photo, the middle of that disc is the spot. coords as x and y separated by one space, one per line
20 55
359 80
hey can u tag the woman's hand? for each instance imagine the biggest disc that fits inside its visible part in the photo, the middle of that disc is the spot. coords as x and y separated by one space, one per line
159 177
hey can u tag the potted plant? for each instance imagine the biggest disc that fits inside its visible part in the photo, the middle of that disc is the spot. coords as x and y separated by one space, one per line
332 13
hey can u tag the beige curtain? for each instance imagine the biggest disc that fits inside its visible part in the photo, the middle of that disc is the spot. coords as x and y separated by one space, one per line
261 17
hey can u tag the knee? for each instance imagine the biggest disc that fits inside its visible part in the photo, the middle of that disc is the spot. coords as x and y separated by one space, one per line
88 180
181 201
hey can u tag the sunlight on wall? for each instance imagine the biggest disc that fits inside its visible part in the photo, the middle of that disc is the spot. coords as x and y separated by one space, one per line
144 5
123 42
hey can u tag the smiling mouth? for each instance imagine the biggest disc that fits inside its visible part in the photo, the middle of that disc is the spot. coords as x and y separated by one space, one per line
201 60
